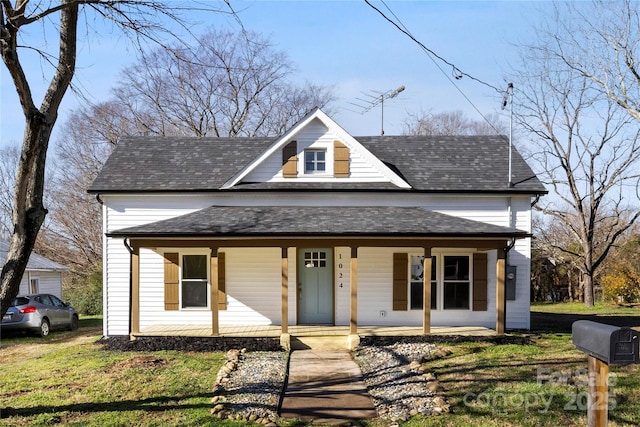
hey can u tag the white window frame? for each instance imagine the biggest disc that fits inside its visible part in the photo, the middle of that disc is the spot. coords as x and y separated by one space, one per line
438 291
37 282
181 254
439 266
315 162
469 255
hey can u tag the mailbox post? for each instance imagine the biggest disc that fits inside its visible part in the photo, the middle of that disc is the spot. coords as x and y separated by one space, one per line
605 345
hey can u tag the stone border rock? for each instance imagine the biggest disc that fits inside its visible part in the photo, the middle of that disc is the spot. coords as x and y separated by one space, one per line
220 410
399 380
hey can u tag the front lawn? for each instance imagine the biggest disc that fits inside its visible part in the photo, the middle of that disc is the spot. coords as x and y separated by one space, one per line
66 379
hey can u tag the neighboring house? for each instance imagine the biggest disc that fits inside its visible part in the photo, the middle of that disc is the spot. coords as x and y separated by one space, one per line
41 275
315 227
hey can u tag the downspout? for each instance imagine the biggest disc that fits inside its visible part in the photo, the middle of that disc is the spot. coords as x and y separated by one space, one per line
105 301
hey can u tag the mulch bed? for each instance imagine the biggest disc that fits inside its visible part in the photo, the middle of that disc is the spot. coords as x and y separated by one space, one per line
443 339
202 344
196 344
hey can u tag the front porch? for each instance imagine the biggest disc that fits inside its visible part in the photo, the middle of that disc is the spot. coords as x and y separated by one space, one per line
351 252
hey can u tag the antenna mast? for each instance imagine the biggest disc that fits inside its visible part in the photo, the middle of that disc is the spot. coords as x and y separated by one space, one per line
378 99
508 97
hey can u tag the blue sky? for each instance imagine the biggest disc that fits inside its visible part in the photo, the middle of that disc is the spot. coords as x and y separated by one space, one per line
344 44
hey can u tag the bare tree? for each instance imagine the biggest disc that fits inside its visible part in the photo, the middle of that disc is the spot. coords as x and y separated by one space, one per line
601 41
73 236
227 84
141 18
179 91
586 150
452 123
9 158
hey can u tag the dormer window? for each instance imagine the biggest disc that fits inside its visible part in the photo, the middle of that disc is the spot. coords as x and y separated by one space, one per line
315 161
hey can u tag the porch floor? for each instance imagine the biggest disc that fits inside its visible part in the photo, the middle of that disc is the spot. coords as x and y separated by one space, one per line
274 331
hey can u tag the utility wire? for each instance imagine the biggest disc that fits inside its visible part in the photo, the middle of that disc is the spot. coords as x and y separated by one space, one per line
457 73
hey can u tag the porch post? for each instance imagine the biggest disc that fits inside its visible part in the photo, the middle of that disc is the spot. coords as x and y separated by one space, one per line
353 323
500 293
215 322
135 290
426 292
285 291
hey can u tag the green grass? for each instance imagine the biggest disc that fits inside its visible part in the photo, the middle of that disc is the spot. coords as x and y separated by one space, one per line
66 379
580 308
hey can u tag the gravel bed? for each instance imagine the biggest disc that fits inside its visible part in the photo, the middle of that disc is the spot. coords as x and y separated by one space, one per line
398 383
252 391
250 384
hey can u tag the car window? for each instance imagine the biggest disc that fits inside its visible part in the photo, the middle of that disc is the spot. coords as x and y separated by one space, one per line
56 301
44 299
20 301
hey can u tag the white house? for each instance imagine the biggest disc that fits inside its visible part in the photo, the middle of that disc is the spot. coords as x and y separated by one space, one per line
316 227
41 275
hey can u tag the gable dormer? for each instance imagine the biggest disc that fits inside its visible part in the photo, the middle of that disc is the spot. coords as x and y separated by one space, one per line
317 160
316 150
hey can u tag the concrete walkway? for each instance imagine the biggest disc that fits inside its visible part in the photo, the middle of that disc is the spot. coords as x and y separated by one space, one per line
326 387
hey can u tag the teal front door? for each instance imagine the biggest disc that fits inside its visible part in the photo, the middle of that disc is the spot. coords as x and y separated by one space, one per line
315 286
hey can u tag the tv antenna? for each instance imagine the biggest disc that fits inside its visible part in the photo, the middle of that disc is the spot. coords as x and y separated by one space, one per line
375 98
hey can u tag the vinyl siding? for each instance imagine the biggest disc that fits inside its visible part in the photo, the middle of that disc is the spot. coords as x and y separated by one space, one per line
253 289
317 136
253 278
375 278
50 282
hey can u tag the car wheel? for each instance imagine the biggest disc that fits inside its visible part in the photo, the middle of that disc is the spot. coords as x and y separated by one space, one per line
44 328
74 323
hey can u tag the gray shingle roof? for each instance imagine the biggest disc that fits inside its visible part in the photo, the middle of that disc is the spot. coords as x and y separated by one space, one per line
36 262
459 163
431 164
224 221
176 163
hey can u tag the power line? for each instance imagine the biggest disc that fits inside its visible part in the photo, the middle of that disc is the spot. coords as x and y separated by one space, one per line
456 72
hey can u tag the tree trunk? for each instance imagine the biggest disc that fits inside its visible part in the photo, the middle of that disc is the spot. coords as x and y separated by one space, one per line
588 290
28 211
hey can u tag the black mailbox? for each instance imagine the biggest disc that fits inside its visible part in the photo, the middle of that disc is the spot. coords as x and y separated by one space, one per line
611 344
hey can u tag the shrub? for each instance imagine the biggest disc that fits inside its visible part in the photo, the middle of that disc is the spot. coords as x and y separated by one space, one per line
620 288
85 292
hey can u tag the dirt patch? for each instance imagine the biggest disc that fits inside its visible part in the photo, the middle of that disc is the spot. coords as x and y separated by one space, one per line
144 362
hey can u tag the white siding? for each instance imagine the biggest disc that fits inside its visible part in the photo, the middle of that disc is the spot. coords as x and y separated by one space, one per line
49 282
254 279
317 136
254 274
375 293
520 256
127 211
252 287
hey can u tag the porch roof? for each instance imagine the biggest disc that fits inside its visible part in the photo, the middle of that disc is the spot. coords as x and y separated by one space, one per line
302 221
